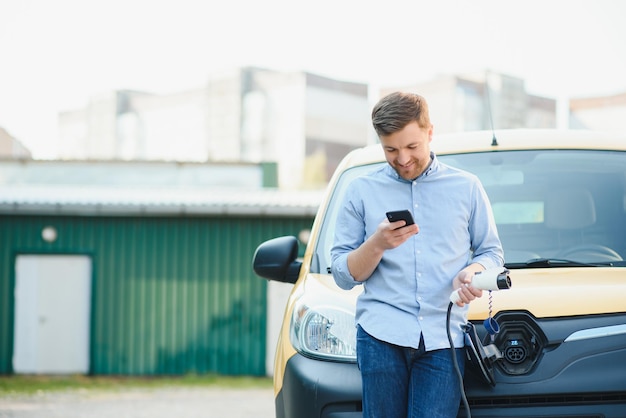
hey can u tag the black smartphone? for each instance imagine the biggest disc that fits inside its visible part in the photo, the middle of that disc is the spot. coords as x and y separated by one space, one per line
397 215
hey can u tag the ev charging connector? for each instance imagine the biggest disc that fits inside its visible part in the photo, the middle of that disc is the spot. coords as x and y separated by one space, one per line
490 279
482 356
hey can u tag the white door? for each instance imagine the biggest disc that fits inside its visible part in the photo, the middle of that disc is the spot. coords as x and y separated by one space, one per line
52 314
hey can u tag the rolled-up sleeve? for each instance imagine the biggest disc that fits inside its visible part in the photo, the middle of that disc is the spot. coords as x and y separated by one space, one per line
349 235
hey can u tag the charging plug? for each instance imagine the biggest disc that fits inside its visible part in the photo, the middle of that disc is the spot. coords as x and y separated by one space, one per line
490 279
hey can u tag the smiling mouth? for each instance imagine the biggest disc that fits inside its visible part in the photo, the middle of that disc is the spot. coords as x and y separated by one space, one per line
405 171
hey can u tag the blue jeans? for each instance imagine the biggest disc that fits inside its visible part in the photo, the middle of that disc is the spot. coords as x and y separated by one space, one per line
402 382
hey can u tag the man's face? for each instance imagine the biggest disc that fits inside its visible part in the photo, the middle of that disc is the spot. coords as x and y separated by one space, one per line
408 150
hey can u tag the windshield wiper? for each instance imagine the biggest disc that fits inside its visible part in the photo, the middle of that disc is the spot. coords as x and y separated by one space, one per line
555 262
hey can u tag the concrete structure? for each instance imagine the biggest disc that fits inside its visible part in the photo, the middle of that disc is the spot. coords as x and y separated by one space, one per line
11 147
304 122
606 113
481 101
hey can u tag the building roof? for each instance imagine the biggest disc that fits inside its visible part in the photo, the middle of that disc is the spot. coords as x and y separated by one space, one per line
107 200
113 187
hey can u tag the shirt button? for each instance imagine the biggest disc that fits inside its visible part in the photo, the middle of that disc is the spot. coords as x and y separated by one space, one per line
421 318
419 298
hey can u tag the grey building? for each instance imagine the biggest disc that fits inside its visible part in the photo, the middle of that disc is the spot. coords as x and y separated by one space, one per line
605 113
304 122
482 101
10 147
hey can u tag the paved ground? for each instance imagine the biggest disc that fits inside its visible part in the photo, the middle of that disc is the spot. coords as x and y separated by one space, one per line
143 403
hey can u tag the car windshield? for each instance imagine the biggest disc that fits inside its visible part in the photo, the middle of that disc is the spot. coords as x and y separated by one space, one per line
553 207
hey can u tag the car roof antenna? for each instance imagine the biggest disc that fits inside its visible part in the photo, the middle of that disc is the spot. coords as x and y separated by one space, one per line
494 141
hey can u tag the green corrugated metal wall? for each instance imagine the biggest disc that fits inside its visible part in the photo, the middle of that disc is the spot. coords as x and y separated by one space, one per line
170 295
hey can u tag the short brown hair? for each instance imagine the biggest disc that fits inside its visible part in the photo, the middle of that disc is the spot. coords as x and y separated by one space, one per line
396 110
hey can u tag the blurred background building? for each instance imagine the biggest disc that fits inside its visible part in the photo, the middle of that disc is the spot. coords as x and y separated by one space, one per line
599 112
303 122
488 99
11 147
482 101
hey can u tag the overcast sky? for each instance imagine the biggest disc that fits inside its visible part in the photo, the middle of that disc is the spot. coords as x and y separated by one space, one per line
55 54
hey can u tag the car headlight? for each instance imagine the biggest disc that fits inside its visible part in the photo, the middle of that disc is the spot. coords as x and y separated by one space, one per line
323 331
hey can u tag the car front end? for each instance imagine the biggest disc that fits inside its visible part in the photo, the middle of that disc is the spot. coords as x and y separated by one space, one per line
559 200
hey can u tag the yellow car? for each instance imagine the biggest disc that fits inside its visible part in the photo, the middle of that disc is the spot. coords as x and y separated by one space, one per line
559 199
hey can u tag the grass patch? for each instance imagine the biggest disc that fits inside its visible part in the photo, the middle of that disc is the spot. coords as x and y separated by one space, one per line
21 384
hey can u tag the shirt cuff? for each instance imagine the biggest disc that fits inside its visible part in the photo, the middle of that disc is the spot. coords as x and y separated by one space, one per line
341 273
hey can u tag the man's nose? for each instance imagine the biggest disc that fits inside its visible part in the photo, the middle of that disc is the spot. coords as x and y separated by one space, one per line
403 157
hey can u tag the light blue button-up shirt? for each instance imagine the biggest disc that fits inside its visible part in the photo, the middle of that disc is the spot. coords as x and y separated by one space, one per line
409 292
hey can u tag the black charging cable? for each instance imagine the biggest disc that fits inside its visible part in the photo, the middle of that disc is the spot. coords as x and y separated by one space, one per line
455 362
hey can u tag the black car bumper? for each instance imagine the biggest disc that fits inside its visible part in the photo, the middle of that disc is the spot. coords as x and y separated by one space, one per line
557 378
319 389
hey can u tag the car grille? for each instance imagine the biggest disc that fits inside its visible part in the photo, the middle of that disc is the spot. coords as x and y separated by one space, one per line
569 399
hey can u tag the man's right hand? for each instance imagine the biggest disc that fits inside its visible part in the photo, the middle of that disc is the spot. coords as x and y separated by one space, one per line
363 261
393 234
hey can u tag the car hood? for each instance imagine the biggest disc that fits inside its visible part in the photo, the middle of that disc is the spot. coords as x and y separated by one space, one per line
545 293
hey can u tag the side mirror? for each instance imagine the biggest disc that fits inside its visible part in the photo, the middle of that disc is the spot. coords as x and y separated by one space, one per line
276 260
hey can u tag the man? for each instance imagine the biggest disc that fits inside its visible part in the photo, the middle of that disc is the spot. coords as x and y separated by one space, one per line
408 272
